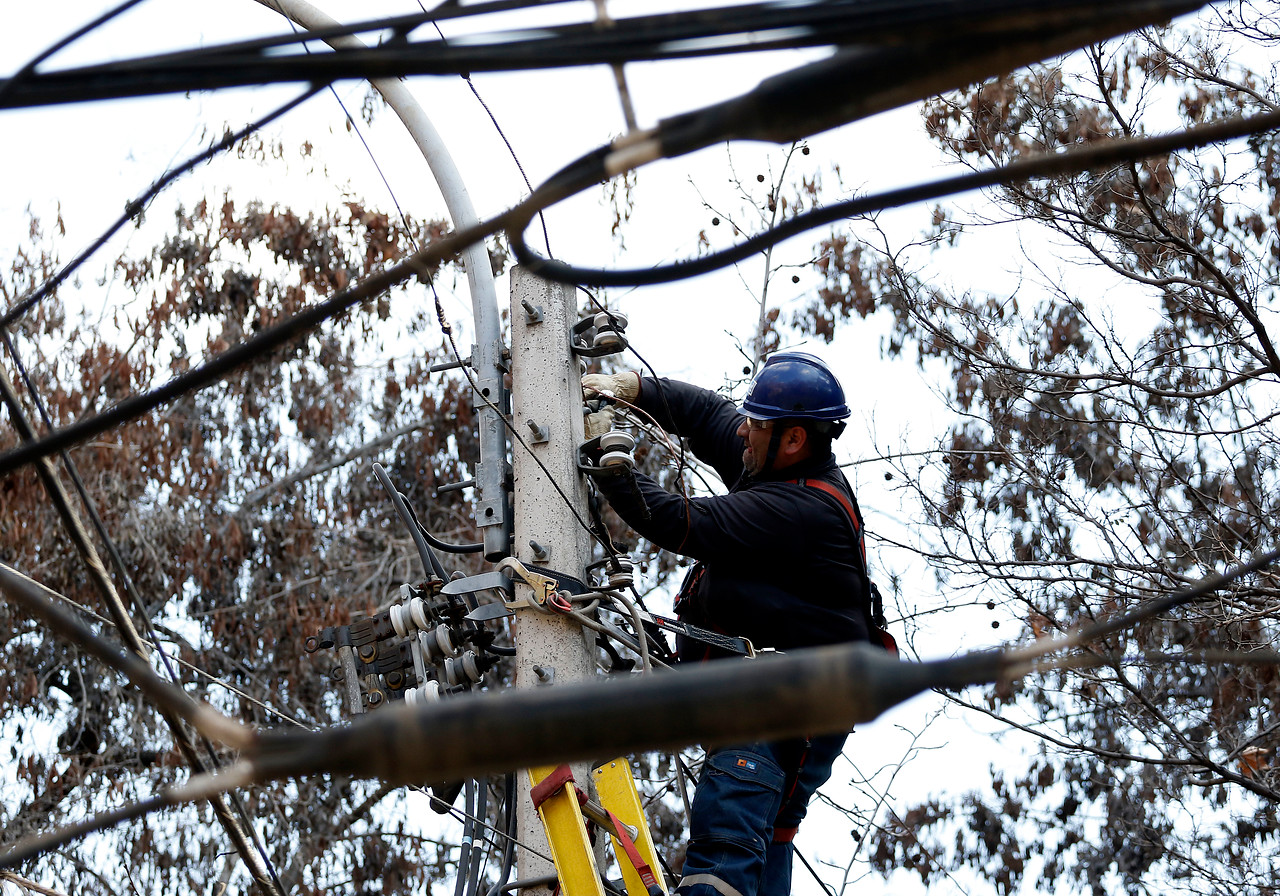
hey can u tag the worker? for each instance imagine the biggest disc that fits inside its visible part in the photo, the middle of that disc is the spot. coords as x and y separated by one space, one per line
779 561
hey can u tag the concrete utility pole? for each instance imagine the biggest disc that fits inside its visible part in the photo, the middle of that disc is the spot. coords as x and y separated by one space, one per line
546 405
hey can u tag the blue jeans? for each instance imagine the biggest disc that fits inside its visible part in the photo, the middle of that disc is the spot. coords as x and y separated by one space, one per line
744 796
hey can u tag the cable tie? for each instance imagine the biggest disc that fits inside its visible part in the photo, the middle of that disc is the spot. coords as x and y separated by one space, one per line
623 159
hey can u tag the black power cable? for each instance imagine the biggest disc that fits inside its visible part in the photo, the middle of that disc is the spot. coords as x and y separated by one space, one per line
468 834
1047 165
25 72
509 846
477 854
430 564
577 176
869 24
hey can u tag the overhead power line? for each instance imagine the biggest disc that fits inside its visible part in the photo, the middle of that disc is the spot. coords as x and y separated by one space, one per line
580 175
808 692
870 27
137 205
1032 167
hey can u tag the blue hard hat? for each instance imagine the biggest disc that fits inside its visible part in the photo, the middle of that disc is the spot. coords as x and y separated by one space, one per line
795 386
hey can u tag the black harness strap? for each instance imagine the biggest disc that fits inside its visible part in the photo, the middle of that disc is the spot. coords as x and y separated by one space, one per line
874 602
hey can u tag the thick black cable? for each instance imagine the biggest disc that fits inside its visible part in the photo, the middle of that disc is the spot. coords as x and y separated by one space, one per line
1040 166
468 831
136 206
509 845
266 340
576 177
674 35
430 563
573 178
473 547
23 73
477 855
383 746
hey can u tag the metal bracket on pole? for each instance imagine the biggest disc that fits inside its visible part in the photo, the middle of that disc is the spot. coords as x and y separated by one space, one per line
492 404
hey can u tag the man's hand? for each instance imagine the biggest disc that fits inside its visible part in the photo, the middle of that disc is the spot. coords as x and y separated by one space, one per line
623 385
598 423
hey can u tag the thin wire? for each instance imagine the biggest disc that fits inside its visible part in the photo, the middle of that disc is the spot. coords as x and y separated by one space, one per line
459 815
245 695
573 179
466 76
677 452
203 673
124 625
826 888
511 428
135 207
1039 166
22 73
355 127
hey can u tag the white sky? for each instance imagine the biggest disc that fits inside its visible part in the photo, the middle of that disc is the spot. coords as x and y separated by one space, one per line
87 160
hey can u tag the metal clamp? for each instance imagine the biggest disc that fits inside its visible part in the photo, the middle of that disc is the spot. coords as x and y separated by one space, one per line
545 595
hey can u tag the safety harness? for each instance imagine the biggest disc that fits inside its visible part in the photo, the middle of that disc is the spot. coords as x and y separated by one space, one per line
874 603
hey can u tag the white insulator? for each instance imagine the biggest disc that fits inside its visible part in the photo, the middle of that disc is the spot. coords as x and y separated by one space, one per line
432 649
427 692
399 620
462 669
611 320
617 459
418 609
624 575
607 339
617 440
609 327
438 643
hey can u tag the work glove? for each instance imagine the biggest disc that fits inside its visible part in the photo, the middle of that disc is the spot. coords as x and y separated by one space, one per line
623 385
598 423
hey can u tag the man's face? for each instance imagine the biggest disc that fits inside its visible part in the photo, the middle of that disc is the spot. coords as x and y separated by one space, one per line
755 436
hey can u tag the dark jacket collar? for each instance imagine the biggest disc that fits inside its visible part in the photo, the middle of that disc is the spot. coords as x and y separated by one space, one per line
812 468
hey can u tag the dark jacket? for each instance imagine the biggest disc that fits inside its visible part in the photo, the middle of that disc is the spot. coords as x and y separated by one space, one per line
778 561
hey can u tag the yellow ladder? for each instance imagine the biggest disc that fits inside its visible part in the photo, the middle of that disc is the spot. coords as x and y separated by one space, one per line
565 818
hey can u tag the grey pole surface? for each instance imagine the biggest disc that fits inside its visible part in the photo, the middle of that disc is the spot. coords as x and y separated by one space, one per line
546 410
486 354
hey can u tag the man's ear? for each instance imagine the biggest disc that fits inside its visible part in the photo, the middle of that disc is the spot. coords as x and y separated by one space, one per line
794 440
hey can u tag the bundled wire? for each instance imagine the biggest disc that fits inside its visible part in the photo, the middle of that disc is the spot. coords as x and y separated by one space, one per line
916 28
825 689
580 175
779 107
